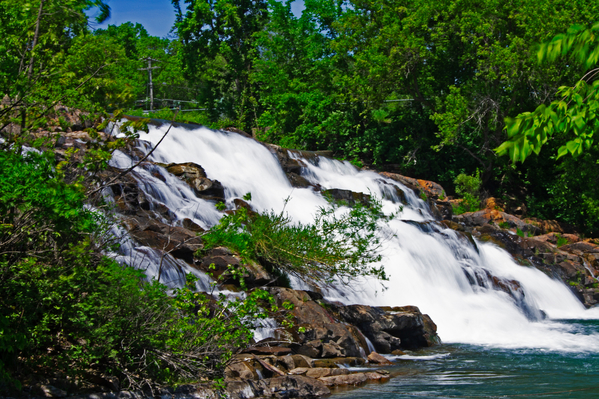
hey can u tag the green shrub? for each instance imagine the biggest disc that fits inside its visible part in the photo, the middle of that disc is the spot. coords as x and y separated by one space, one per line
468 187
68 310
561 241
332 246
465 184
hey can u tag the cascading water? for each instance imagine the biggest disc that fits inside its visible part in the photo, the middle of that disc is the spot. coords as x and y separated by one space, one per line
429 266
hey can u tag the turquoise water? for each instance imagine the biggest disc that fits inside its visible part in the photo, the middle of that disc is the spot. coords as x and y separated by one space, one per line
466 371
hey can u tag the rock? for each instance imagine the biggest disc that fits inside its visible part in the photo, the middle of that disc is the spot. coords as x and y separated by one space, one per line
298 181
244 389
433 192
291 166
375 358
320 326
377 376
311 349
286 362
548 226
391 328
192 226
48 391
217 261
334 362
297 386
268 350
195 176
332 349
240 370
319 372
232 129
299 371
348 379
347 196
301 361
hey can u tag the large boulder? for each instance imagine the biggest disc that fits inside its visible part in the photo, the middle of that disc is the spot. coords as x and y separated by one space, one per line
297 386
391 329
195 176
431 192
322 335
178 241
218 260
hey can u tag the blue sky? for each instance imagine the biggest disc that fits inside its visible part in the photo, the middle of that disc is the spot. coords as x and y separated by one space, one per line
157 16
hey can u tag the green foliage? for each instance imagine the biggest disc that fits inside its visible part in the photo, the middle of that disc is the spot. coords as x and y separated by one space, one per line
574 114
335 245
561 241
69 309
469 188
218 48
465 184
468 203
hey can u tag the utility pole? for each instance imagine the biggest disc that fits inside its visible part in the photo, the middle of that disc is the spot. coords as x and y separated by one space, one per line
149 69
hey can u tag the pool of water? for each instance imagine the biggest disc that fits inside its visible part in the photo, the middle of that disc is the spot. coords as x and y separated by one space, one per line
467 371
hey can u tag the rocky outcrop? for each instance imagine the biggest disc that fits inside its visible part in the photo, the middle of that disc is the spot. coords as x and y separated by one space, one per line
322 335
429 191
218 261
178 241
348 197
561 255
195 176
336 331
393 328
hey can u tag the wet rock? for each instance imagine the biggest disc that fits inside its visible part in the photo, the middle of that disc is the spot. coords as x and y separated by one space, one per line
195 176
297 386
179 242
217 261
375 358
348 197
335 362
348 379
377 376
48 391
319 372
298 181
433 193
391 328
320 326
233 129
241 371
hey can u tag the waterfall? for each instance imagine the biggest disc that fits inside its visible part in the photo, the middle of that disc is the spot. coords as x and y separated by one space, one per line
429 265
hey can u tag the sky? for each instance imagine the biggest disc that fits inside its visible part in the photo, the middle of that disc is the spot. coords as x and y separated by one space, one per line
157 16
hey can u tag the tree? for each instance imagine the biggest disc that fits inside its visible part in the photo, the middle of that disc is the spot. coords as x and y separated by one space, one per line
35 37
574 114
464 64
168 79
294 78
218 49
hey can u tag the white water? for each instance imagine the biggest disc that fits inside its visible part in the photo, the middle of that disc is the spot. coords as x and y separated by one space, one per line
426 269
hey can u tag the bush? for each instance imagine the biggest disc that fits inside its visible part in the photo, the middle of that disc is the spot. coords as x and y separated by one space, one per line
342 246
469 188
70 311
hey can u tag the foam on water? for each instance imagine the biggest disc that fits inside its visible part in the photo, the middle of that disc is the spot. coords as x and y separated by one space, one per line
430 266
